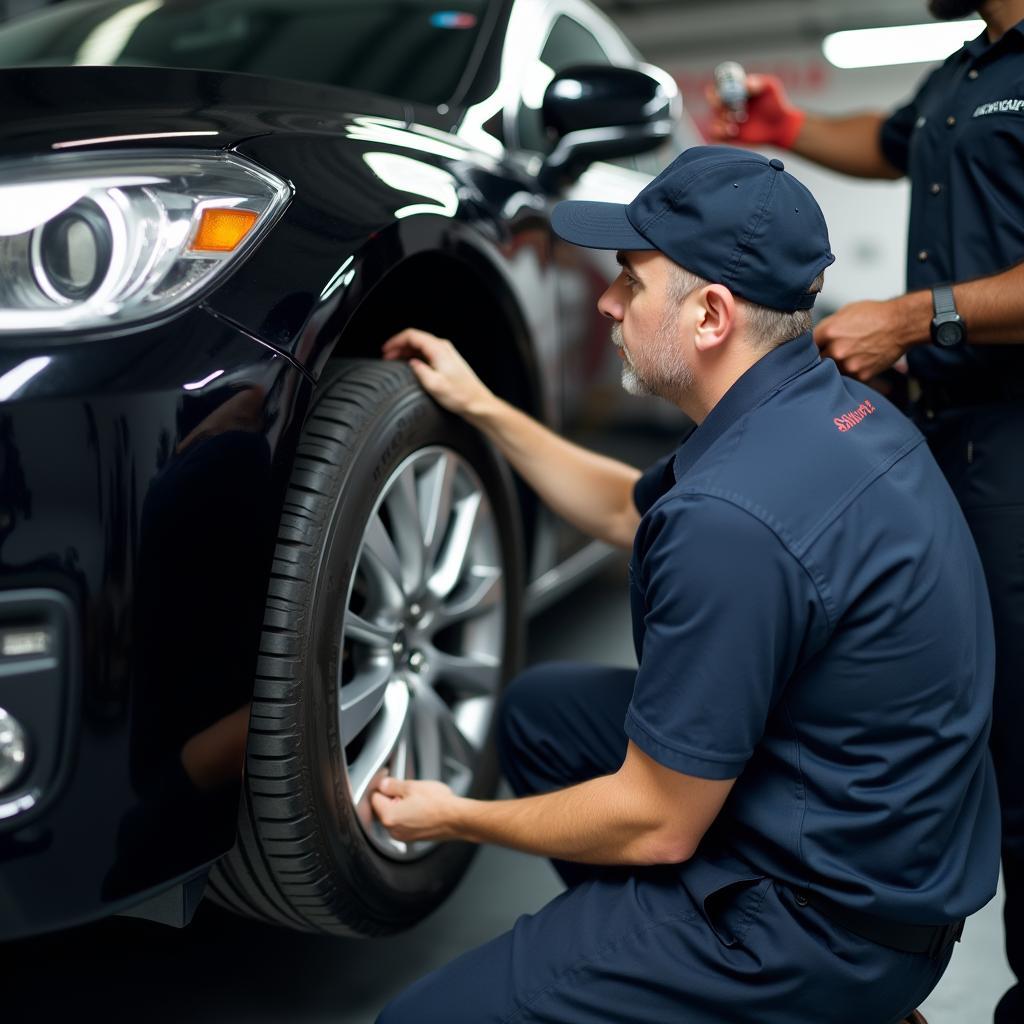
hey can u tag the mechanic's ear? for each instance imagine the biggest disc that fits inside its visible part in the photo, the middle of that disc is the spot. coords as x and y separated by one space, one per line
716 315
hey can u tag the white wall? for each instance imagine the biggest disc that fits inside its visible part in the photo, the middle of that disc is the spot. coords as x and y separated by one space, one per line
867 220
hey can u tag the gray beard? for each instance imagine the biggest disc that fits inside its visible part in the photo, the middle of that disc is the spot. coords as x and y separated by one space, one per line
670 376
950 10
632 382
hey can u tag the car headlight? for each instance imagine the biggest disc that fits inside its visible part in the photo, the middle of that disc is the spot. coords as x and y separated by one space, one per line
106 239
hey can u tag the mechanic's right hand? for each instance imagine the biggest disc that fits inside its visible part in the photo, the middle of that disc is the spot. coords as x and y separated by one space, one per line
440 369
771 119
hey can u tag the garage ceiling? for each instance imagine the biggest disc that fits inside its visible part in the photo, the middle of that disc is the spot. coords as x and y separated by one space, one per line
683 28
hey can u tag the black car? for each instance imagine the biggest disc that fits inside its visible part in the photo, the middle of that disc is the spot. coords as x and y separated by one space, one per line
245 565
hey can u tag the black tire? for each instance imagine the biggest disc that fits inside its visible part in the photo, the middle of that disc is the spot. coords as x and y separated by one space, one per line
302 858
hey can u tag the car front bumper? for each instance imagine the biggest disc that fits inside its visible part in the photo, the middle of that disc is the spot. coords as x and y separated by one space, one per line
141 480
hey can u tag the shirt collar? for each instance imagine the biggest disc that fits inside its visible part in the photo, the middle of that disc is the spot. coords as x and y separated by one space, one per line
769 374
977 46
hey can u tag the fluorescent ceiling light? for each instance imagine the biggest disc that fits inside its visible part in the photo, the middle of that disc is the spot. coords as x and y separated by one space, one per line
900 44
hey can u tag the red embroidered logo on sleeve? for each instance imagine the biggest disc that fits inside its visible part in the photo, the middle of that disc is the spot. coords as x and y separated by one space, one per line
850 419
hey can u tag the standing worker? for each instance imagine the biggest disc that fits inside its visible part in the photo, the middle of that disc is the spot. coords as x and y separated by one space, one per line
784 814
960 141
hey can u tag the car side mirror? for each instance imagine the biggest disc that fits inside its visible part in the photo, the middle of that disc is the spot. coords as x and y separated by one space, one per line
599 112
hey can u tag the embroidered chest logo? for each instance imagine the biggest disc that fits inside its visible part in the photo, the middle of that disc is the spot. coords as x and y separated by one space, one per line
850 419
999 107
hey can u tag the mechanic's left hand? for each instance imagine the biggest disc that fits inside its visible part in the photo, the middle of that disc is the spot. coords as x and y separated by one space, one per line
411 809
859 337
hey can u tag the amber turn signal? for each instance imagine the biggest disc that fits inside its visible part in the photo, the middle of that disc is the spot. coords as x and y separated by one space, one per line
221 230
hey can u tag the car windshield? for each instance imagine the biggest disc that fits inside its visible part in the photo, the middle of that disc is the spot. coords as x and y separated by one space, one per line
410 49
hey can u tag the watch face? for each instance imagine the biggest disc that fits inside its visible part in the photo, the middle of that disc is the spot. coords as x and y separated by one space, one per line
949 333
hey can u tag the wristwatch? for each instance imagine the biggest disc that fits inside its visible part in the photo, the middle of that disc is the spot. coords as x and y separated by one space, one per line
948 327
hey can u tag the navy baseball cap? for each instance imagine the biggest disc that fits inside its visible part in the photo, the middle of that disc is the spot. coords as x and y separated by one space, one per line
728 215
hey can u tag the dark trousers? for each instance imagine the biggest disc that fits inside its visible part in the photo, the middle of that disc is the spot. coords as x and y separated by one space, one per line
981 452
699 943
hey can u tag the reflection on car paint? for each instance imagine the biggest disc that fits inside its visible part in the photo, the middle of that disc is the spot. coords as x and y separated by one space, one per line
156 510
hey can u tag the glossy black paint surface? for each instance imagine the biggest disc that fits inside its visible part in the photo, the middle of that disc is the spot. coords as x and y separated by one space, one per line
142 471
152 508
46 106
163 545
593 96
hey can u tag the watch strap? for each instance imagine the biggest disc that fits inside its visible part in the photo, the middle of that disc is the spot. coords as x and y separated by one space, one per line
942 299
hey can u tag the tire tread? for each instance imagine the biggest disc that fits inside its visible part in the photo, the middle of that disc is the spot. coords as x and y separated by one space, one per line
279 870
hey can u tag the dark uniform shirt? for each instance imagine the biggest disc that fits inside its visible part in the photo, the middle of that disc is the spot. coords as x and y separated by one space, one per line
960 140
810 617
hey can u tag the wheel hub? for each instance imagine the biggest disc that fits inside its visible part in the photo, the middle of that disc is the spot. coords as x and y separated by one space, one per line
406 654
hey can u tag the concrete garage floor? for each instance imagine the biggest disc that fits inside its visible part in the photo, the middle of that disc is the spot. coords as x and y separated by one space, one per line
223 969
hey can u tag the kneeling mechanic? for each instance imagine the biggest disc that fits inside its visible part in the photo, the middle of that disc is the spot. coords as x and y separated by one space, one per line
786 812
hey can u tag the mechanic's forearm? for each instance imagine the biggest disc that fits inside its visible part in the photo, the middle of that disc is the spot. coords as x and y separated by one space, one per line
596 822
846 144
591 491
992 309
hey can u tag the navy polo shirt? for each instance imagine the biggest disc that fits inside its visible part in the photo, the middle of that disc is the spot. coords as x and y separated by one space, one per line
811 618
960 140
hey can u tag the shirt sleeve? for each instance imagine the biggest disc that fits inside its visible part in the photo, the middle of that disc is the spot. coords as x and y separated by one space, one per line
894 136
729 614
656 480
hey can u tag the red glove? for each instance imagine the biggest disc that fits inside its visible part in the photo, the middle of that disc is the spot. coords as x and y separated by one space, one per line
771 119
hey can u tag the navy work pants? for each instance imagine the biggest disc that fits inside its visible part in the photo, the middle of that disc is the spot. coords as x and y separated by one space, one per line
981 452
699 943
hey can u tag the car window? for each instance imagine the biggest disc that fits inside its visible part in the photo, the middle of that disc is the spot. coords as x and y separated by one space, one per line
567 44
411 49
570 43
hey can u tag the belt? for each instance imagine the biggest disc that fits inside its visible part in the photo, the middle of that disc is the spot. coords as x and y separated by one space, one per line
907 938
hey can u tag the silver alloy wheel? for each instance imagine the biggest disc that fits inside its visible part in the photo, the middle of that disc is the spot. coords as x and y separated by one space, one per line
421 643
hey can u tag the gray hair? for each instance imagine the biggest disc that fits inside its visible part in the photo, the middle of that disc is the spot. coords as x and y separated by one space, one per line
766 328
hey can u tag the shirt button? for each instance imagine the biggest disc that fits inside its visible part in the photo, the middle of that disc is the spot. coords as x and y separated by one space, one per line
972 74
950 121
936 188
801 900
922 256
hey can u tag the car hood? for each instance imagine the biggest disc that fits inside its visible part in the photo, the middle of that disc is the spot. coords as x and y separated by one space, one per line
364 171
68 107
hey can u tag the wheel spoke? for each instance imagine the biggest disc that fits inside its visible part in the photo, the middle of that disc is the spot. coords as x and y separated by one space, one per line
374 634
452 561
382 563
423 696
473 675
362 698
426 735
402 504
380 745
450 752
483 594
437 487
401 757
